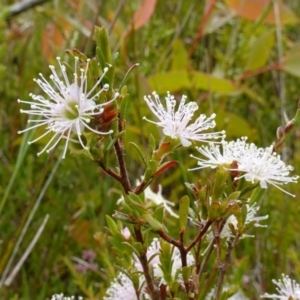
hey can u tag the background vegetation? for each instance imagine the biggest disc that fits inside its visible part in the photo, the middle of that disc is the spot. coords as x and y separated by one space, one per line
237 58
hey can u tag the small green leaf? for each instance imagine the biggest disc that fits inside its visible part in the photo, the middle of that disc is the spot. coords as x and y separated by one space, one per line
291 63
154 224
124 102
112 225
257 194
215 210
180 58
207 82
152 142
139 152
184 205
136 247
135 199
170 81
152 165
259 51
104 55
174 81
186 273
159 212
219 183
113 141
233 196
103 47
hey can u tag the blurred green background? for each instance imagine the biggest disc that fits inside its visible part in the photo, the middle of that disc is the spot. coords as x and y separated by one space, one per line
237 58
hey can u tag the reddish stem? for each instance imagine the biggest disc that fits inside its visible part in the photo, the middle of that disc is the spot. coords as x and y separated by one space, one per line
201 27
199 236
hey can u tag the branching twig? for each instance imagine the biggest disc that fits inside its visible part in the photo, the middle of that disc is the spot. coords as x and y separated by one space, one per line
168 238
271 67
109 171
199 236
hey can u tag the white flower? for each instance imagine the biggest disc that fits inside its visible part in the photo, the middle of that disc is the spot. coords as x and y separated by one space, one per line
69 107
239 295
153 254
126 233
214 157
123 288
257 164
176 123
287 289
157 199
251 211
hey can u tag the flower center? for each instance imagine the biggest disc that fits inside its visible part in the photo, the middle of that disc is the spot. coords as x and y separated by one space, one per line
71 111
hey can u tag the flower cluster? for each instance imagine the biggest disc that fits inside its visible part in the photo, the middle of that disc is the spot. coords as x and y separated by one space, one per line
122 286
157 199
176 124
286 288
68 109
255 164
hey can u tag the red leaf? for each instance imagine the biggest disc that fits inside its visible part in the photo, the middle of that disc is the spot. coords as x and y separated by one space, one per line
253 9
142 16
165 167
